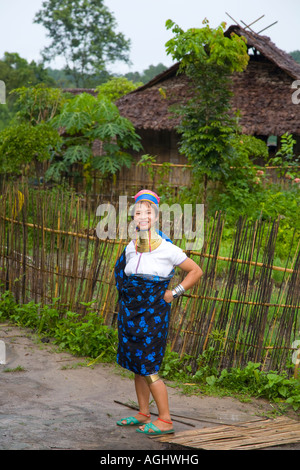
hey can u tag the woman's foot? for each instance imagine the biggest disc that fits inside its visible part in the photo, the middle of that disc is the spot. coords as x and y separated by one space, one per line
140 418
162 424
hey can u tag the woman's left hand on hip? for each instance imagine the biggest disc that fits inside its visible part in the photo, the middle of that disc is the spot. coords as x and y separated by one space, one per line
168 296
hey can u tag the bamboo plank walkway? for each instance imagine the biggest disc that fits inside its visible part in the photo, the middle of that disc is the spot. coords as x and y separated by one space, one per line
244 436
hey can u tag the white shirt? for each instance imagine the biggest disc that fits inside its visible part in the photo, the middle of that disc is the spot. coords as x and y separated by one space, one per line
159 262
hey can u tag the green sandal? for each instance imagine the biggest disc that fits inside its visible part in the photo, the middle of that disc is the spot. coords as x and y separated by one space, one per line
155 430
132 421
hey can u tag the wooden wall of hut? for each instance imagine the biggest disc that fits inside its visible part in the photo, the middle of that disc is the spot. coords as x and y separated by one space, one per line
163 145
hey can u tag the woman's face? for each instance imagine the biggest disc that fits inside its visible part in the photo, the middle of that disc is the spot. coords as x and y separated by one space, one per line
144 215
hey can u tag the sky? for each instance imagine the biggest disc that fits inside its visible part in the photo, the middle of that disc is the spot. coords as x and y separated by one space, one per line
143 22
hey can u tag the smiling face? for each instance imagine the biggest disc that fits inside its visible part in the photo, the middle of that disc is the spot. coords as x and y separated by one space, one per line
145 215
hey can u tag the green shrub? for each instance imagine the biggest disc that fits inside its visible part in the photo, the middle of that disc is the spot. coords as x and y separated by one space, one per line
87 336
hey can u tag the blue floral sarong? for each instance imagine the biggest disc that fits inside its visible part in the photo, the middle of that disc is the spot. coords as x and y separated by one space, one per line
143 320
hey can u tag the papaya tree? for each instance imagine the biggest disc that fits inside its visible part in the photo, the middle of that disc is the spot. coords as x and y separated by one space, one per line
86 119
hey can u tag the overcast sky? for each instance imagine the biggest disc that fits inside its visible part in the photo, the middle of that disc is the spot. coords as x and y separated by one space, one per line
143 22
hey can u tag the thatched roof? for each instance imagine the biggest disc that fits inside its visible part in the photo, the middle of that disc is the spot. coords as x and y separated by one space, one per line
262 93
268 49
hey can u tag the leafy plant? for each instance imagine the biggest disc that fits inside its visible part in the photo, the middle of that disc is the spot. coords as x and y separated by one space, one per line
273 386
21 144
159 175
86 119
16 72
285 157
175 368
29 138
248 381
87 336
38 103
116 87
209 133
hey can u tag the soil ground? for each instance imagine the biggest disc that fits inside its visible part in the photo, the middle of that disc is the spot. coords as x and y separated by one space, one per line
52 402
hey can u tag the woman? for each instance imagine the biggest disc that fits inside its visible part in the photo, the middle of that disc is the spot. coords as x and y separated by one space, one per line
143 273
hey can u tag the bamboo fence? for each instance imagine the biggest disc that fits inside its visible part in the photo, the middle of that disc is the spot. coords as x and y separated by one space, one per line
167 174
244 309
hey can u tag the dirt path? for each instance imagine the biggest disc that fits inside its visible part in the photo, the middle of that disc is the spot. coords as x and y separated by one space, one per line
53 403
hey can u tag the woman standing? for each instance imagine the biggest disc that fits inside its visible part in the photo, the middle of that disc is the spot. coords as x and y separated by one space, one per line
143 273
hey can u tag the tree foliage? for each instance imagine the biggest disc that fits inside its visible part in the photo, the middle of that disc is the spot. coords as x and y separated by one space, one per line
30 138
22 143
38 104
63 129
116 87
207 46
17 72
86 119
83 33
209 133
296 55
146 75
285 158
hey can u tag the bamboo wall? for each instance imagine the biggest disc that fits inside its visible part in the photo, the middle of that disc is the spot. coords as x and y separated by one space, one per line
244 309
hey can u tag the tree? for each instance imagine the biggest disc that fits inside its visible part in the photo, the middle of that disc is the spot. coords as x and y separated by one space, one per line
17 72
296 55
38 104
152 71
61 79
147 74
30 139
86 119
115 88
208 129
22 144
83 32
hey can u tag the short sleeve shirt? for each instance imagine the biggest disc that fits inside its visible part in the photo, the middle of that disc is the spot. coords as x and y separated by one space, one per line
159 262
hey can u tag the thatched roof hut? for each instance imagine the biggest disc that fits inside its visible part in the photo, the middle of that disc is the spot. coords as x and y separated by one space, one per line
262 93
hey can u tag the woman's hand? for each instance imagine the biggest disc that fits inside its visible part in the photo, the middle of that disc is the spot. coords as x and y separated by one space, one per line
168 296
194 273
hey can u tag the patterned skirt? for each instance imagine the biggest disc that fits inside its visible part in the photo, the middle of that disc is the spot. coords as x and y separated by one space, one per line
143 321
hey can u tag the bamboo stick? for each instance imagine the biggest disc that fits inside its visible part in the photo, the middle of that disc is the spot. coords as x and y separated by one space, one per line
196 253
195 296
180 165
277 312
111 277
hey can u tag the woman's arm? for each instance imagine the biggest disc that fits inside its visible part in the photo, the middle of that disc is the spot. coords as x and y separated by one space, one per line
194 272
